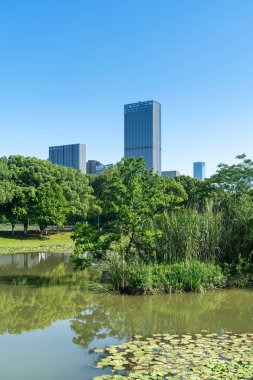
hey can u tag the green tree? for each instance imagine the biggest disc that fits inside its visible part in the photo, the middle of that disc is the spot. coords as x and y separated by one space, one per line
17 209
76 190
235 178
50 206
30 179
6 190
131 198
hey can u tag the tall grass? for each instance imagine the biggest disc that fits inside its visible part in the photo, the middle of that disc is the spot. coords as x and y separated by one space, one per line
216 237
189 276
139 278
188 235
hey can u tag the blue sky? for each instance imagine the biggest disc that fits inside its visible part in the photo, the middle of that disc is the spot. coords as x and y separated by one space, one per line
68 67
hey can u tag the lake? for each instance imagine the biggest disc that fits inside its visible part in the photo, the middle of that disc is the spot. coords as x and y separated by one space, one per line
50 322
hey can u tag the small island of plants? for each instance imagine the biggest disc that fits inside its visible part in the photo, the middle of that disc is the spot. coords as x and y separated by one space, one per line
154 234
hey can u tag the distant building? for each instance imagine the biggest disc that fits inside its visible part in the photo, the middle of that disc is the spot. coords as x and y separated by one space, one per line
199 170
73 156
91 166
102 168
170 173
142 132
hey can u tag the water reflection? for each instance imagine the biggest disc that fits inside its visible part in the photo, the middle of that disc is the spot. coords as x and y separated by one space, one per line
95 316
40 269
38 262
94 319
24 309
125 316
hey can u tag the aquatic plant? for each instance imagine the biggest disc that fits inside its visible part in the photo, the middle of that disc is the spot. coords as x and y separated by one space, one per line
136 277
165 356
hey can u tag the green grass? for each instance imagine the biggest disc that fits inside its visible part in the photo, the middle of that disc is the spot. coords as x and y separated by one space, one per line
140 278
59 242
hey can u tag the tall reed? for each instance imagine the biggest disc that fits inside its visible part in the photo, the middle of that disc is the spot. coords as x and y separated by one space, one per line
225 236
188 235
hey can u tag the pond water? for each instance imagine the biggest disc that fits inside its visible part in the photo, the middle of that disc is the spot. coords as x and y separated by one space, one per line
48 330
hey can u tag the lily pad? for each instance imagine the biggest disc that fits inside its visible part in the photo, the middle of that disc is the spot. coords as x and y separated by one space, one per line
198 356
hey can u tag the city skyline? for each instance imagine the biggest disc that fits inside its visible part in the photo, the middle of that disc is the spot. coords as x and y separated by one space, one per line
67 82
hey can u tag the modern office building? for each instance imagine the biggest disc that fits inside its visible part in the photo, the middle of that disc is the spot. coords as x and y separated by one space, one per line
142 132
199 170
170 173
73 156
102 168
91 166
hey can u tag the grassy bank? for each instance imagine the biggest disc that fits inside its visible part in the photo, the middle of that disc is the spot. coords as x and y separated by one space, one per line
191 276
59 242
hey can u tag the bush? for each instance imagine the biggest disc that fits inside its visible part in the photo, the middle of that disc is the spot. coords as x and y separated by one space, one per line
238 275
190 276
138 278
130 277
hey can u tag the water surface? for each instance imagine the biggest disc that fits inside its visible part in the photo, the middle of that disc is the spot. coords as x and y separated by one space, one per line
48 330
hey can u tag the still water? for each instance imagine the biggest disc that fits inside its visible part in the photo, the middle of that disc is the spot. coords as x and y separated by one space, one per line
48 330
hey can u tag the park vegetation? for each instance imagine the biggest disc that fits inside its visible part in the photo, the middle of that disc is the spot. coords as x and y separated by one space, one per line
165 234
147 232
34 191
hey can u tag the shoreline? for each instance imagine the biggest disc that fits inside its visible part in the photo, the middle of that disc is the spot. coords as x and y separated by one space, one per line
52 243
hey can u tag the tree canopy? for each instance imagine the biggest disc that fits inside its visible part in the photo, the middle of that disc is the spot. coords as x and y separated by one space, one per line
138 215
130 198
36 191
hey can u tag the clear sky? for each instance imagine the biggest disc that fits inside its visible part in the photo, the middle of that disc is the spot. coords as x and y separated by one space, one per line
67 67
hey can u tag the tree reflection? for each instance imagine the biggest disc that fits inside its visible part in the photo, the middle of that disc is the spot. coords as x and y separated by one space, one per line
126 316
97 316
25 309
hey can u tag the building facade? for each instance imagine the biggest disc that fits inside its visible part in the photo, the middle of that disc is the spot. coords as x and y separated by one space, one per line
102 168
170 173
91 166
73 156
142 132
199 170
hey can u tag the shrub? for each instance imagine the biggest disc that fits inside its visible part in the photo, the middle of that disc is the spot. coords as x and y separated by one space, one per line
238 275
190 276
136 277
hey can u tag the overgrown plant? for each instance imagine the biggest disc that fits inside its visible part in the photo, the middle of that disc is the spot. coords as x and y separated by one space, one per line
133 198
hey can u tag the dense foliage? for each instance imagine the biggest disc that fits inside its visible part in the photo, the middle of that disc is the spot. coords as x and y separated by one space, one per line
36 191
130 199
140 219
130 217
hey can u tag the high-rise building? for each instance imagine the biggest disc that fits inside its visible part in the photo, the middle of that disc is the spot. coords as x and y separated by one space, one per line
91 166
101 168
199 170
142 132
73 156
170 173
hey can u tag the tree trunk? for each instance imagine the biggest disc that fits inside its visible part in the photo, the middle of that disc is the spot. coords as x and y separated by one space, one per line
12 228
25 228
